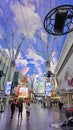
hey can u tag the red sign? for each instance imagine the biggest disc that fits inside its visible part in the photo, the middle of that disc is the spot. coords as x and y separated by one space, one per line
70 82
22 91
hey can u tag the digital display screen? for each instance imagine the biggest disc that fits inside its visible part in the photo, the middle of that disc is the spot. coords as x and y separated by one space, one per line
8 88
48 89
22 91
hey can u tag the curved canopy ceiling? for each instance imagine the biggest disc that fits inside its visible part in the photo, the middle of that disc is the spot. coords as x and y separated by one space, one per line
23 37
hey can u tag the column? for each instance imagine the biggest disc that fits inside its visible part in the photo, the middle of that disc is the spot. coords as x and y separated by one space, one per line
68 99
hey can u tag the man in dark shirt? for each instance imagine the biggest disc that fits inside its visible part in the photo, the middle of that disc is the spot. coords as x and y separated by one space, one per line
20 107
12 109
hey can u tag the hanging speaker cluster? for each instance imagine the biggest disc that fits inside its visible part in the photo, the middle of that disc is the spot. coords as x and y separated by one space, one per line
59 20
49 74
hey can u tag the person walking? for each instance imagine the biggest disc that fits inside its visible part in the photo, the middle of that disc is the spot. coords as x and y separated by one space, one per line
20 108
28 111
60 105
12 109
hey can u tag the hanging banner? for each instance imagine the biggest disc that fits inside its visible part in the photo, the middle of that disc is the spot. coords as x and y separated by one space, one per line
48 89
8 88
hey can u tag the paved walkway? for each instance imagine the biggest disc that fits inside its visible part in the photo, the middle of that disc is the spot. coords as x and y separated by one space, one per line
40 119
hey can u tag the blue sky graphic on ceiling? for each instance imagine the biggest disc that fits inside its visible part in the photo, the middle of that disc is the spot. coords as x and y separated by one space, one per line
23 37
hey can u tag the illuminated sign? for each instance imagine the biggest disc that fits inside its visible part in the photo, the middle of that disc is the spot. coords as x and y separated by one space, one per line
22 91
8 88
48 89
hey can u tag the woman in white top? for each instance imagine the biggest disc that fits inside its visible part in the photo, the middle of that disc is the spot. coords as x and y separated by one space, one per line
28 108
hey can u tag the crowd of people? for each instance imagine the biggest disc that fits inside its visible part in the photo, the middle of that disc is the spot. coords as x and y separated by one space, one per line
19 106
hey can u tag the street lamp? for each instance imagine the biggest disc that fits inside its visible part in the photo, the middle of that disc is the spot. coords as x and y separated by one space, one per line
59 20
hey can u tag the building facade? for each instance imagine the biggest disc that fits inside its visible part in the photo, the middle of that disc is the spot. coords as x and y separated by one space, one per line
4 66
11 75
64 72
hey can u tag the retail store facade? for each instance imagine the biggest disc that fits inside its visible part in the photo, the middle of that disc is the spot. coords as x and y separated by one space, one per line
4 61
64 72
5 67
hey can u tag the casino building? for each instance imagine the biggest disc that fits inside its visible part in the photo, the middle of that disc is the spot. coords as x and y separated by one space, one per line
64 72
5 78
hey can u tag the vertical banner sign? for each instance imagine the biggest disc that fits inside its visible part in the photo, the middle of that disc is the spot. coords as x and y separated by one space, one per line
8 88
48 89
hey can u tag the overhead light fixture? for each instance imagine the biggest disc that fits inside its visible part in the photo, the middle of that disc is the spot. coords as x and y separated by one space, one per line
49 74
59 20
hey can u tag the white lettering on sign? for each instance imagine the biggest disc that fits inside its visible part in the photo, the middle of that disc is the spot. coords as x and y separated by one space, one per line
23 90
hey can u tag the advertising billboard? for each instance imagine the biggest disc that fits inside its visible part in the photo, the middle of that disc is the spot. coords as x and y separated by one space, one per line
48 89
8 88
22 91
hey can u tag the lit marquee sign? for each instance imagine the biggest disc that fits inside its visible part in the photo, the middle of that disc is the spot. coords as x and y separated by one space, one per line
22 91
